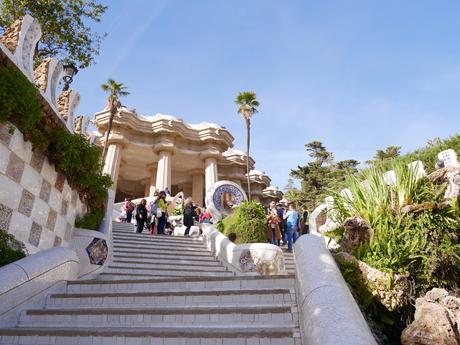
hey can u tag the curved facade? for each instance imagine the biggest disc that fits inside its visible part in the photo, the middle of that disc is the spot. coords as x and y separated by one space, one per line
162 151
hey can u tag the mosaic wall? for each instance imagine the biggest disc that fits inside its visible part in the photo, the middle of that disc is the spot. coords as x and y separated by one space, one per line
37 205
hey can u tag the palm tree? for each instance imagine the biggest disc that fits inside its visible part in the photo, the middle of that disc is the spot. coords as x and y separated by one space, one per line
247 107
115 91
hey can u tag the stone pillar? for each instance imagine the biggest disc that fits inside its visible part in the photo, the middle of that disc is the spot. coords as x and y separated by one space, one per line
112 163
163 179
210 169
198 187
147 189
153 179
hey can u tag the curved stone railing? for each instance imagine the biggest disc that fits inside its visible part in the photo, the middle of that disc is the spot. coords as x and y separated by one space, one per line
27 280
328 312
251 258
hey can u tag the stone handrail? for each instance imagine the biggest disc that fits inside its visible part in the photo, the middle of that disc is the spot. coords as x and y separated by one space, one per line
251 258
328 312
31 276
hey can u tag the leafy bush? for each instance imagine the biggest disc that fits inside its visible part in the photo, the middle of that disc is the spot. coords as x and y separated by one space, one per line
71 154
80 163
10 249
247 222
428 155
91 220
18 99
424 244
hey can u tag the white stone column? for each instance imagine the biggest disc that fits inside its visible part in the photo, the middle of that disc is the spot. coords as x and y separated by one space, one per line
112 163
198 187
211 174
163 179
153 179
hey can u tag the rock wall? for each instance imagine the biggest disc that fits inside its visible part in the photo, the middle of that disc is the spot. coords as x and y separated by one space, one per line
37 205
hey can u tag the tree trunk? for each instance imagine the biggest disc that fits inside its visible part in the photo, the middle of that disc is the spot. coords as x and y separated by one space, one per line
248 143
107 133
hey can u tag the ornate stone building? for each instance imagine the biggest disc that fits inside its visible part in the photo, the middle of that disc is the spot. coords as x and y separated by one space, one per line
162 151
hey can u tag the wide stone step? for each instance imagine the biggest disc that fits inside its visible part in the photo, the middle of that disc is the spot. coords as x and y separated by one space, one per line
173 272
158 244
156 258
173 266
268 334
157 239
170 248
160 253
145 234
144 317
157 262
192 283
172 297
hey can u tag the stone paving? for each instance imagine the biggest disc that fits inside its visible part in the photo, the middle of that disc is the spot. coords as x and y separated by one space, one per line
164 290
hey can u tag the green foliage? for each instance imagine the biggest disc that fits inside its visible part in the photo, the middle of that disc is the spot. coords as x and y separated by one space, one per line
424 245
80 163
247 101
90 220
178 212
66 27
386 325
248 222
10 249
427 154
383 155
18 99
70 153
320 177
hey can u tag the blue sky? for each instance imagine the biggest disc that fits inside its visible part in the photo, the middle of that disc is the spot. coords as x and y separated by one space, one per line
356 75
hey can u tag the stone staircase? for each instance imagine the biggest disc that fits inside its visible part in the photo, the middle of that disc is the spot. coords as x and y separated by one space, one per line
163 290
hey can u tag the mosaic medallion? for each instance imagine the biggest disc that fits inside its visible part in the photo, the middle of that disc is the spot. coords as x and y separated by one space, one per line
97 251
223 197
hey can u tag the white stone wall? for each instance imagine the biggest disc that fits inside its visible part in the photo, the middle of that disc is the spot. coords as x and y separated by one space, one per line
37 204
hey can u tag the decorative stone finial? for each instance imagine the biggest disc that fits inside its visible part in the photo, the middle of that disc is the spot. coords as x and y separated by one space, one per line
67 103
21 39
47 76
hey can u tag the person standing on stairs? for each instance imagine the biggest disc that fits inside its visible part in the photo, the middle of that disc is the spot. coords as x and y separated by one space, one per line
128 206
292 218
188 215
161 212
141 215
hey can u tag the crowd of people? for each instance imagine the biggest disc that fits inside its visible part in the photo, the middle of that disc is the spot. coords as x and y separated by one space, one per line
285 224
154 217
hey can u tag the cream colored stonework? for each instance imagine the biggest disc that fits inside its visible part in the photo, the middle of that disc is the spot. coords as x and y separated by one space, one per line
146 153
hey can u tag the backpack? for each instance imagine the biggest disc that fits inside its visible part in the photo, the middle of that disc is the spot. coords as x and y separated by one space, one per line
153 209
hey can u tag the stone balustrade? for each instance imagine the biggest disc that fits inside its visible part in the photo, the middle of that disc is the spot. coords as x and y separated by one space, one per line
328 312
251 258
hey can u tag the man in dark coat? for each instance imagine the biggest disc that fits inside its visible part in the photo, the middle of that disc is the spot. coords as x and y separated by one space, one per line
188 215
141 215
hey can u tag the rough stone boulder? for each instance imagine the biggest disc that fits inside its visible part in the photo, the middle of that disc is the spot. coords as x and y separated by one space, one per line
436 320
391 289
450 175
357 231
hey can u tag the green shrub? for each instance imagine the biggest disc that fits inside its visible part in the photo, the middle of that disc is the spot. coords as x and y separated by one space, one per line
423 244
10 249
428 155
18 99
71 154
248 223
91 220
